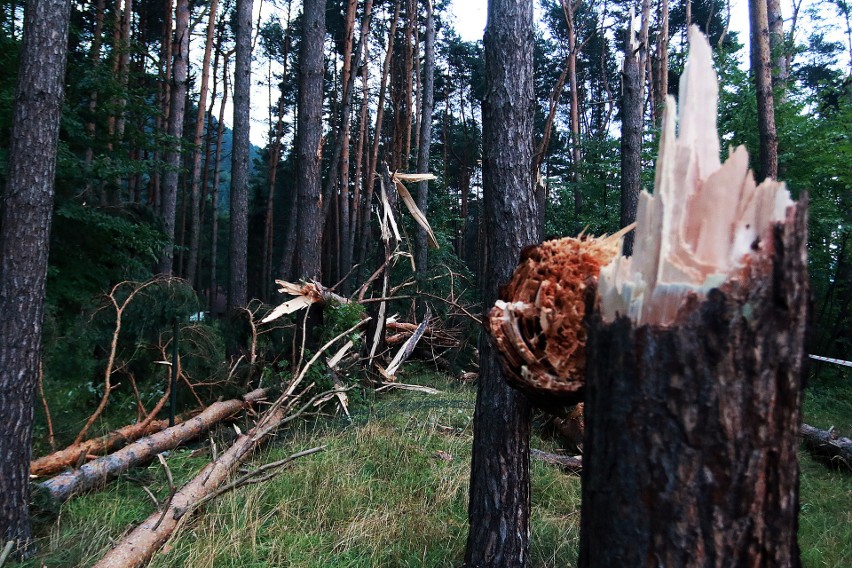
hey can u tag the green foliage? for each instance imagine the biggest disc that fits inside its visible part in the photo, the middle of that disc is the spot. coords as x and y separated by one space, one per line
94 247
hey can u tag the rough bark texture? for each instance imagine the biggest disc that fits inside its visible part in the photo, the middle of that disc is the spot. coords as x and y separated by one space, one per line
631 137
777 43
828 446
95 473
238 282
67 457
309 149
692 429
24 235
421 242
137 548
499 505
761 69
309 238
177 107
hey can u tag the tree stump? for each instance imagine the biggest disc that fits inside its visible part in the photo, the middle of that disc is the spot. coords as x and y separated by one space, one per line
694 362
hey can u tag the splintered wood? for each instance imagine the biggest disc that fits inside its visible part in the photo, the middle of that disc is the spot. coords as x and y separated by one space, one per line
694 361
537 323
705 218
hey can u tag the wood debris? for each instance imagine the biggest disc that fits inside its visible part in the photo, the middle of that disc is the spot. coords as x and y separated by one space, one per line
537 324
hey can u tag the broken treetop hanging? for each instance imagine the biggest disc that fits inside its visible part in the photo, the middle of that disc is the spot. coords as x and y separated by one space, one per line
697 229
537 323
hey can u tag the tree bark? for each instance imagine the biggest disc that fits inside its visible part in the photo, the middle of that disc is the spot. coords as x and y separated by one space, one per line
214 192
827 446
24 237
777 43
662 51
272 174
370 171
698 423
177 106
499 506
631 136
195 191
694 360
576 154
425 142
309 149
67 457
137 548
95 473
761 69
238 257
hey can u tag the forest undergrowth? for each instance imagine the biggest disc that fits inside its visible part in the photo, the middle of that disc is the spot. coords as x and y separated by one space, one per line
390 489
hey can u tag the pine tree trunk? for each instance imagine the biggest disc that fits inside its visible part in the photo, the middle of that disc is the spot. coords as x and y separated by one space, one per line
694 360
662 79
214 192
195 191
24 237
238 248
309 144
177 102
777 43
370 171
761 69
361 160
576 154
425 141
631 136
499 505
274 161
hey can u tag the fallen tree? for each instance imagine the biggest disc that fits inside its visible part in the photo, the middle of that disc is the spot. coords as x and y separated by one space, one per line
573 464
56 491
826 445
141 543
90 449
137 548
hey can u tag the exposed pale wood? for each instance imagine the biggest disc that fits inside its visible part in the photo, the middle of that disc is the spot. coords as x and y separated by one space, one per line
694 362
136 548
704 216
59 460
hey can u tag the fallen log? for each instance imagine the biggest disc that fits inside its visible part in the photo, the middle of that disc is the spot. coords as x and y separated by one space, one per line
827 446
57 461
137 548
573 464
52 493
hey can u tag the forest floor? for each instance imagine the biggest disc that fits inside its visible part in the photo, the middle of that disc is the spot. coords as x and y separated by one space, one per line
390 489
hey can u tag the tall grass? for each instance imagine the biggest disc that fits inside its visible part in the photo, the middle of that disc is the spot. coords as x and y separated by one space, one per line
390 489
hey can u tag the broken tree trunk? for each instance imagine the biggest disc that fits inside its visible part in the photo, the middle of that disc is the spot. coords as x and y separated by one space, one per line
826 445
572 464
694 382
59 460
137 548
96 473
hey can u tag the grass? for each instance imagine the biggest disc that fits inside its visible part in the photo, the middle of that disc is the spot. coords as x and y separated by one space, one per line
825 495
390 489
